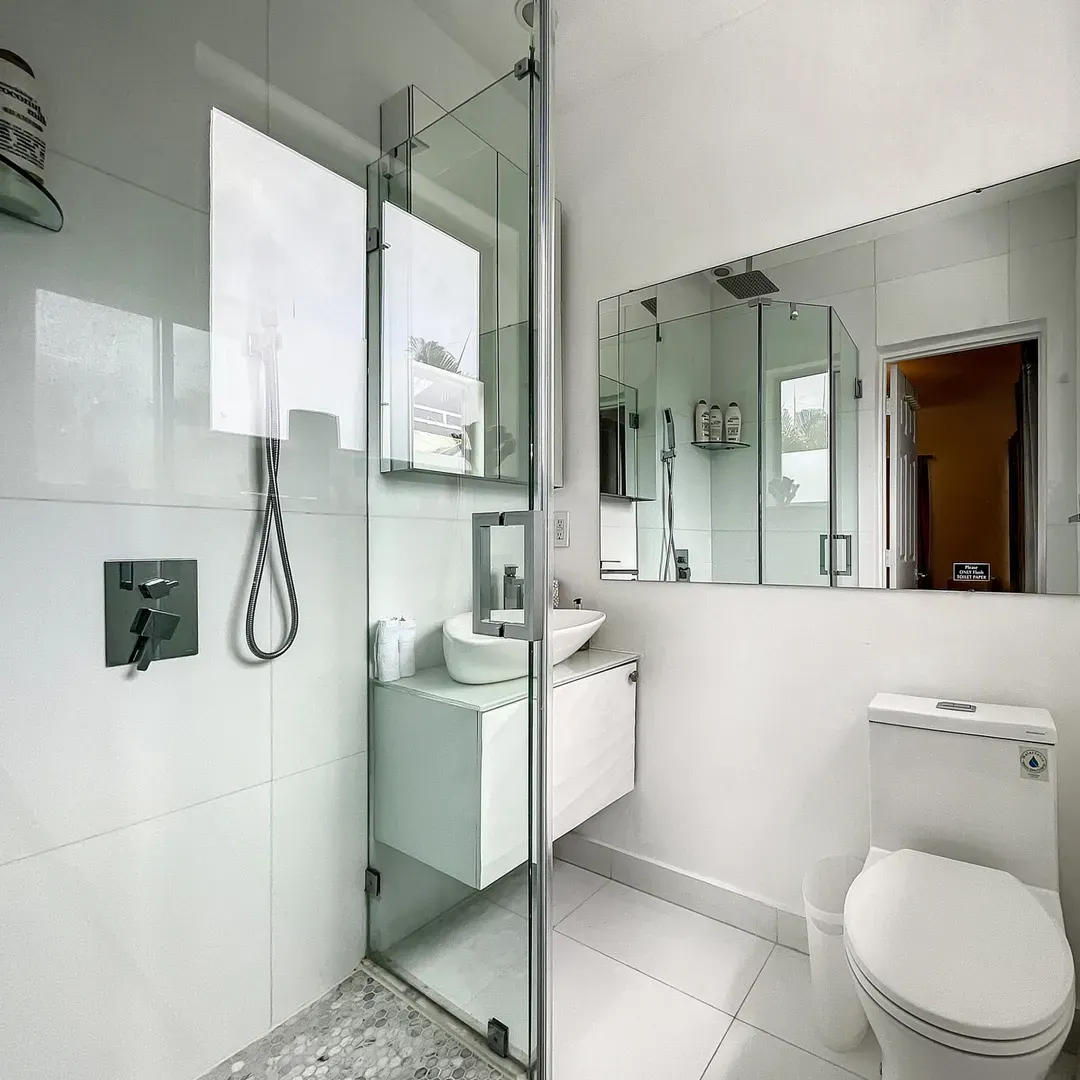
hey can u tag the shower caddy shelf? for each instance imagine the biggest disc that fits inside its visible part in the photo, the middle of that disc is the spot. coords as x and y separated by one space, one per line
722 445
27 199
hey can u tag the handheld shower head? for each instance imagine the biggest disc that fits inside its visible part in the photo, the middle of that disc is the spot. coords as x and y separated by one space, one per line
669 436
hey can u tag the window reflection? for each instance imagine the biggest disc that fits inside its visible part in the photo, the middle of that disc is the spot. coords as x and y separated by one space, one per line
288 241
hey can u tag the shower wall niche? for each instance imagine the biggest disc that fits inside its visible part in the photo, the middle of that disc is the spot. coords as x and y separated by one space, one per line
449 278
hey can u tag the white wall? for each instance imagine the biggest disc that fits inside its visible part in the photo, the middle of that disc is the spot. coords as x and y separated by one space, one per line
182 853
752 733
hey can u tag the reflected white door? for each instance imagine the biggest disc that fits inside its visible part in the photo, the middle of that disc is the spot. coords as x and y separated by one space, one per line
903 480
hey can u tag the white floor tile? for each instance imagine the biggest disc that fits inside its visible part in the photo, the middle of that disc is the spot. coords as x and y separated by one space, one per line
780 1004
707 959
612 1021
458 956
572 887
749 1054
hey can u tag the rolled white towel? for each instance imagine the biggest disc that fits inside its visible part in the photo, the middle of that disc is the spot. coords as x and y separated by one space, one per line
407 647
387 661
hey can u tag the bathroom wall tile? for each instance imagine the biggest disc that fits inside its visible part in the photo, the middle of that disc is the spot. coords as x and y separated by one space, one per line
791 931
735 556
618 546
120 76
320 852
85 322
422 569
1042 286
793 554
684 297
320 684
89 748
1061 559
1043 217
858 313
332 64
966 297
697 542
833 272
980 234
151 940
696 893
581 851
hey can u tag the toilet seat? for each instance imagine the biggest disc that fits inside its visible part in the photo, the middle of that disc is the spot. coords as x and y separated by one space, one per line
999 1048
960 953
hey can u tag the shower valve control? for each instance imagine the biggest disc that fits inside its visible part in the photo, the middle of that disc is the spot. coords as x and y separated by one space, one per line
151 611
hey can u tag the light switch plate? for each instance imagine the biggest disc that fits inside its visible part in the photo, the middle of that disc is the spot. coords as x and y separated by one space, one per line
561 519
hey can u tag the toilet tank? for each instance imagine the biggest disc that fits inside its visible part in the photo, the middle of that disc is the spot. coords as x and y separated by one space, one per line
967 781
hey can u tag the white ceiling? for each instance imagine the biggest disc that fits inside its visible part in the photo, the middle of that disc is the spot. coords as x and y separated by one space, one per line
596 40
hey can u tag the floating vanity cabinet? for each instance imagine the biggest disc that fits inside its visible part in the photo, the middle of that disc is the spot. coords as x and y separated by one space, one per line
451 762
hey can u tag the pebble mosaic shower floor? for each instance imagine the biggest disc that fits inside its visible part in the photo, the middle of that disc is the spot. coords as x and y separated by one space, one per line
358 1031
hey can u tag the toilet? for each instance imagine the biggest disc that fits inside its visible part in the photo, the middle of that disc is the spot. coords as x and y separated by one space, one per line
953 930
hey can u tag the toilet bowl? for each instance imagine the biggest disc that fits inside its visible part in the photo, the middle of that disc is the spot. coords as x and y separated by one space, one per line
964 972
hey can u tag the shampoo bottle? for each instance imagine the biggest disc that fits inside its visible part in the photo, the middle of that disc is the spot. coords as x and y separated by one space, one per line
733 423
716 424
702 423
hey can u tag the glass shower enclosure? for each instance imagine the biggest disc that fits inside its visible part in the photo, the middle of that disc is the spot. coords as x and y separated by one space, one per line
461 422
780 505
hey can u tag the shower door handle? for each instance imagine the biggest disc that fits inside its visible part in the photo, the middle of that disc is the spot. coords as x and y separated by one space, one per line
824 567
531 626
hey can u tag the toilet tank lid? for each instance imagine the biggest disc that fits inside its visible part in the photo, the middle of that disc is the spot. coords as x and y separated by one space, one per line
1013 722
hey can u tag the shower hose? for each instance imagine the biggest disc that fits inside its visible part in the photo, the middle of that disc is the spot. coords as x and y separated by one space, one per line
272 519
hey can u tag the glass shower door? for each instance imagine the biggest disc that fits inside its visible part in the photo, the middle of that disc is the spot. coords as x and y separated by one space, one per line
794 462
456 768
844 466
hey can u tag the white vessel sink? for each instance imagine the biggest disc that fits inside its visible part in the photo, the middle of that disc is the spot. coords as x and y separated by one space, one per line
477 658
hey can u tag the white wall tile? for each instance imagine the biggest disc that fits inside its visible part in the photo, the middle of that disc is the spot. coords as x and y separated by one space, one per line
89 748
1043 217
966 297
422 569
149 944
835 272
320 685
320 852
969 237
82 317
128 85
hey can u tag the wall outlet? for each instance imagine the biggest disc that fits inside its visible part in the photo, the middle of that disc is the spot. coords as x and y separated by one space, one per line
562 528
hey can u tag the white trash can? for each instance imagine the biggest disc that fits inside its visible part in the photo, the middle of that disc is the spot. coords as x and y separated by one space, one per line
840 1017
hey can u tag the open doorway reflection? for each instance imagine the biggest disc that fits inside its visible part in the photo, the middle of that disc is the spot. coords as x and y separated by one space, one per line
962 470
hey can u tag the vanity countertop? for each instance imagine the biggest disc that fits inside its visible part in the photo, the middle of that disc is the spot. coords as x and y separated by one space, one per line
436 682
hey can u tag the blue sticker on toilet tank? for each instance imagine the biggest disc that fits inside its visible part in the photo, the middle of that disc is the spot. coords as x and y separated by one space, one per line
1033 763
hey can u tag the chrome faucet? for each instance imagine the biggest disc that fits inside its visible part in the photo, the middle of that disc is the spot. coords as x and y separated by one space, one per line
513 589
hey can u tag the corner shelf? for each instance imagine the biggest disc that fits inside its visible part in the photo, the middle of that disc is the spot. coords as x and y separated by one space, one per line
722 445
26 199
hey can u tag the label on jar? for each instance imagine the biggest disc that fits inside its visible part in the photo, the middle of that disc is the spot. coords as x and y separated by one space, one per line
22 123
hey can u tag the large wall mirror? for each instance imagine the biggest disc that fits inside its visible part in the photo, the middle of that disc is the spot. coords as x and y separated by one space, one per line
890 406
